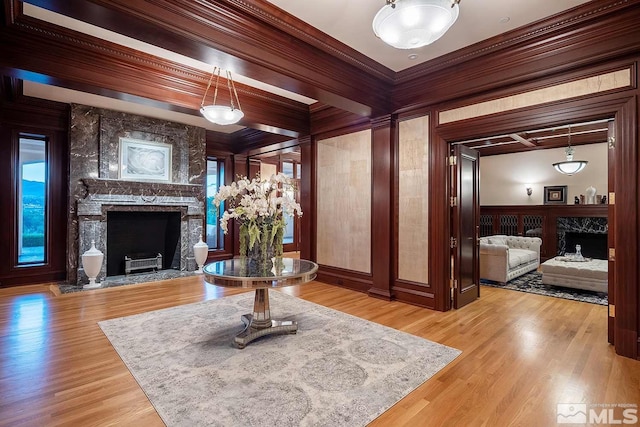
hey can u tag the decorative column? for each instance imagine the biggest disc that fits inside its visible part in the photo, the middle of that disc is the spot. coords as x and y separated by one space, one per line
383 137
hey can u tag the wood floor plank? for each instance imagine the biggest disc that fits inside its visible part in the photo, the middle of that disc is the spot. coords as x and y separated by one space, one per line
522 355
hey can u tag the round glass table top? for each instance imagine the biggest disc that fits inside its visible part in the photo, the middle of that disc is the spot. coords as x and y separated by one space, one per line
241 273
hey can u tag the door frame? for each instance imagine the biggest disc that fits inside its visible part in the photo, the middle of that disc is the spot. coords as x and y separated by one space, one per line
622 107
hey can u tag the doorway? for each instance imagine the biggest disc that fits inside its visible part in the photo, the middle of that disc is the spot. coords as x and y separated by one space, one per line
288 162
553 139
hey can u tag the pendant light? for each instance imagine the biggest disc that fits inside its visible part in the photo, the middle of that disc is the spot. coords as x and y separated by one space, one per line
570 166
222 114
410 24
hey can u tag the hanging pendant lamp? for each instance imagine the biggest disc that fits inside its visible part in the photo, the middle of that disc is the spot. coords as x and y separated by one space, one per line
410 24
222 114
570 166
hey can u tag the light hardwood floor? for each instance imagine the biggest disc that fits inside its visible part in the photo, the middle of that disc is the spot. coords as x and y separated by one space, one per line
521 355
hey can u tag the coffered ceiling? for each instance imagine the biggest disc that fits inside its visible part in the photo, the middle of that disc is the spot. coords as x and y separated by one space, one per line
154 57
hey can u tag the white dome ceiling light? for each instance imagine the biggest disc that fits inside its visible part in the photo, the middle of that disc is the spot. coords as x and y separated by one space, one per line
570 166
410 24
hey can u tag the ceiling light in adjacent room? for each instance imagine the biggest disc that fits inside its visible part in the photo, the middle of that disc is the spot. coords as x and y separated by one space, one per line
570 166
222 114
409 24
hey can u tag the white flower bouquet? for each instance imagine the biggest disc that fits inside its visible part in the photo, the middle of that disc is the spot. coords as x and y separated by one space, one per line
260 208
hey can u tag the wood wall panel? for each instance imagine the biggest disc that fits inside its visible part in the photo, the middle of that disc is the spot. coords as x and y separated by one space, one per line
383 140
413 200
343 212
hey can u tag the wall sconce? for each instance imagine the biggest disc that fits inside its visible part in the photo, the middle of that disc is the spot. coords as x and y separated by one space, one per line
529 189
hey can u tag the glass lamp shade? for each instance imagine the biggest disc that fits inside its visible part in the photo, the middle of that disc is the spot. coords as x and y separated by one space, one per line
570 167
221 115
414 23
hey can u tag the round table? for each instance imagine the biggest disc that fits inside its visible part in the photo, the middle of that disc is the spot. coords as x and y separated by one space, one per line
243 273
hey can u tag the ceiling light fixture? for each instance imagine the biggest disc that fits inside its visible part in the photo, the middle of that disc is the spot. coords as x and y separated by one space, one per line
409 24
222 114
570 166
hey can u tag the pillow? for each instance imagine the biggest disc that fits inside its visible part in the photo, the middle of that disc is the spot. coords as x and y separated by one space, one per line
498 240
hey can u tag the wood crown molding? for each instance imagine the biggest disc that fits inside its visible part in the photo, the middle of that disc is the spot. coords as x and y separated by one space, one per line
597 32
82 62
528 34
224 33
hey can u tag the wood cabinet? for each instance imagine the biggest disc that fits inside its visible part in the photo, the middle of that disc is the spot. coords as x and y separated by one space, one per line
534 221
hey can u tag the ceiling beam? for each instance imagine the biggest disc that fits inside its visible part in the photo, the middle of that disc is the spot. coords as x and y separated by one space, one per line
254 39
522 140
77 61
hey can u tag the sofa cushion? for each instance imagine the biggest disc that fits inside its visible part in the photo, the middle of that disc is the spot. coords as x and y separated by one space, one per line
521 256
498 240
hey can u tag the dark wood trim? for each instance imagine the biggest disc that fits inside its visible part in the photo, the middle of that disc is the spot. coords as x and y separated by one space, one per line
383 140
627 203
439 217
308 199
81 62
413 293
593 33
227 159
349 279
611 243
550 215
250 36
325 119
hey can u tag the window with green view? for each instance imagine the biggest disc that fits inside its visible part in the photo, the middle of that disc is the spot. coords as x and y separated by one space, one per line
32 199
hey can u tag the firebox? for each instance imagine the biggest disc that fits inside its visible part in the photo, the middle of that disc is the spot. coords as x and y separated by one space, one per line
136 234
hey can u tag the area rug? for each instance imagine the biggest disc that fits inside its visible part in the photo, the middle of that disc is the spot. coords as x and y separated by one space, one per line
338 370
532 283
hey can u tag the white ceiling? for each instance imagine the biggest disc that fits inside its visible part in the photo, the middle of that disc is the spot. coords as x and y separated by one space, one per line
349 21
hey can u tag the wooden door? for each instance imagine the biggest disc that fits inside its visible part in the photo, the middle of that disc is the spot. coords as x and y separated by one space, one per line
611 232
465 224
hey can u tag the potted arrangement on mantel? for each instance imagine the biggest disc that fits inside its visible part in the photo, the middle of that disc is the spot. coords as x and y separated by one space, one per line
260 207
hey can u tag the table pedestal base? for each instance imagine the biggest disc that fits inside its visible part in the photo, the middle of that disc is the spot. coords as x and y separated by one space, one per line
260 324
251 333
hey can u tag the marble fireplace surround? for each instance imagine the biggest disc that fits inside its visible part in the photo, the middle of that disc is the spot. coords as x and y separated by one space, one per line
96 187
105 195
595 225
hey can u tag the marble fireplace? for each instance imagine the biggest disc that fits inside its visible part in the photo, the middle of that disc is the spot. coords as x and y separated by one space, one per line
99 187
589 232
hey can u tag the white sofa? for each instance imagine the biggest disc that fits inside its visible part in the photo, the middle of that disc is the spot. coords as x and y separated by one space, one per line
504 257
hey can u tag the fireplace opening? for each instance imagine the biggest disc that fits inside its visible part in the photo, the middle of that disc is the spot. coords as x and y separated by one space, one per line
593 245
141 235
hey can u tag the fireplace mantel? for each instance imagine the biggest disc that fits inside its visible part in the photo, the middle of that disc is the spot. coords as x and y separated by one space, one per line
117 186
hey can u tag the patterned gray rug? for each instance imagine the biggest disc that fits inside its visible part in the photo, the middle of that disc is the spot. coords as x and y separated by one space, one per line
532 283
338 370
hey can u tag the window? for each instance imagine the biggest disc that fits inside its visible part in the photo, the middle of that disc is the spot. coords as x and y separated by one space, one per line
32 199
215 178
288 235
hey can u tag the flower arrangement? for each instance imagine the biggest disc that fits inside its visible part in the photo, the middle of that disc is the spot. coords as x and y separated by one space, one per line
259 206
